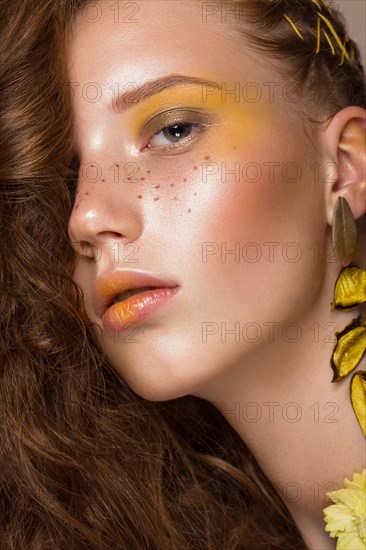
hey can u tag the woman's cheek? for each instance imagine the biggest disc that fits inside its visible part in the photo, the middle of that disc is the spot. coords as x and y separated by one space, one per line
258 235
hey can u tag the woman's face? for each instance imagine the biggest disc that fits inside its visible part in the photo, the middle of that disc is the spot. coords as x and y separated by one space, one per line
210 189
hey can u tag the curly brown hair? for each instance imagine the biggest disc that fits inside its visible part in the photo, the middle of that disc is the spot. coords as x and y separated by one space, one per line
85 463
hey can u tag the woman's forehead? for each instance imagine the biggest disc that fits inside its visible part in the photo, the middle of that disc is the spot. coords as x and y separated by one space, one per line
165 37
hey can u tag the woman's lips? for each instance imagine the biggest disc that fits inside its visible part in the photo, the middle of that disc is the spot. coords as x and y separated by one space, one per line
122 315
118 314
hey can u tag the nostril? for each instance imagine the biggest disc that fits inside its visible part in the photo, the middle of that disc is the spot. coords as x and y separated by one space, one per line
116 234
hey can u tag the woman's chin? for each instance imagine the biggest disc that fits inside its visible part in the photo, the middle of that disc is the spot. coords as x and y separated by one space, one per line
158 391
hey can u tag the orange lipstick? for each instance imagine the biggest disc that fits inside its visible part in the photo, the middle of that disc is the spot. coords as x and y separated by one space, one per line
125 298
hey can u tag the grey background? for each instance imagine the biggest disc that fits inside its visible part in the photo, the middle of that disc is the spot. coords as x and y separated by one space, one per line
355 14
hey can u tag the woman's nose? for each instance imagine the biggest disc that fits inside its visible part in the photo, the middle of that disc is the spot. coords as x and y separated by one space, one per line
104 212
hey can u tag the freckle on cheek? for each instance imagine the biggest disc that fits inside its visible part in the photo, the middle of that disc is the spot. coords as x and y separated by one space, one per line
142 179
189 209
156 198
207 157
116 164
195 167
195 193
157 186
148 171
175 198
185 179
139 196
86 193
103 180
172 185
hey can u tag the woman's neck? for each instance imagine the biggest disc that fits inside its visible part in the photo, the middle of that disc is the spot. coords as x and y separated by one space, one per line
300 427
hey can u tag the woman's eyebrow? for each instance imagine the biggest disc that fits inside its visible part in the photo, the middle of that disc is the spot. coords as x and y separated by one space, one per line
125 100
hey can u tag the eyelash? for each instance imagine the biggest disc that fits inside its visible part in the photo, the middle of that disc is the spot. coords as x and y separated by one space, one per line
184 143
199 121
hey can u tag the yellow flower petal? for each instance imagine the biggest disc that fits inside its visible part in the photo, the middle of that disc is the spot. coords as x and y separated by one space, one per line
338 518
350 541
347 518
358 482
351 498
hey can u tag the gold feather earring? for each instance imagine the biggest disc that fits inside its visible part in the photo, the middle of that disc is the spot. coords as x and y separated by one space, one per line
349 292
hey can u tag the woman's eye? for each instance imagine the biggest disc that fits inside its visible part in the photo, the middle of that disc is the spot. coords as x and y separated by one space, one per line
175 130
172 134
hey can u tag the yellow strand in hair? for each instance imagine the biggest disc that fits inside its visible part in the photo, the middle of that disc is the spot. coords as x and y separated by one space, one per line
318 37
321 18
294 27
336 37
329 41
344 50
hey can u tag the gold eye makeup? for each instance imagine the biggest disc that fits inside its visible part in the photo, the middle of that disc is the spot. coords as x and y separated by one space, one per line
175 130
171 121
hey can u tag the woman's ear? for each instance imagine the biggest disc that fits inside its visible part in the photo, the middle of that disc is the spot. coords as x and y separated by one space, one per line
345 149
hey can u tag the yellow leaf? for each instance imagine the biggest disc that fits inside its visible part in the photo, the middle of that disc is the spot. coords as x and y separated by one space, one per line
358 397
349 349
349 288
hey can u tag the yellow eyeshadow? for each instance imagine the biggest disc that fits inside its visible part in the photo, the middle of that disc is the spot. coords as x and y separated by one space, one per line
188 96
